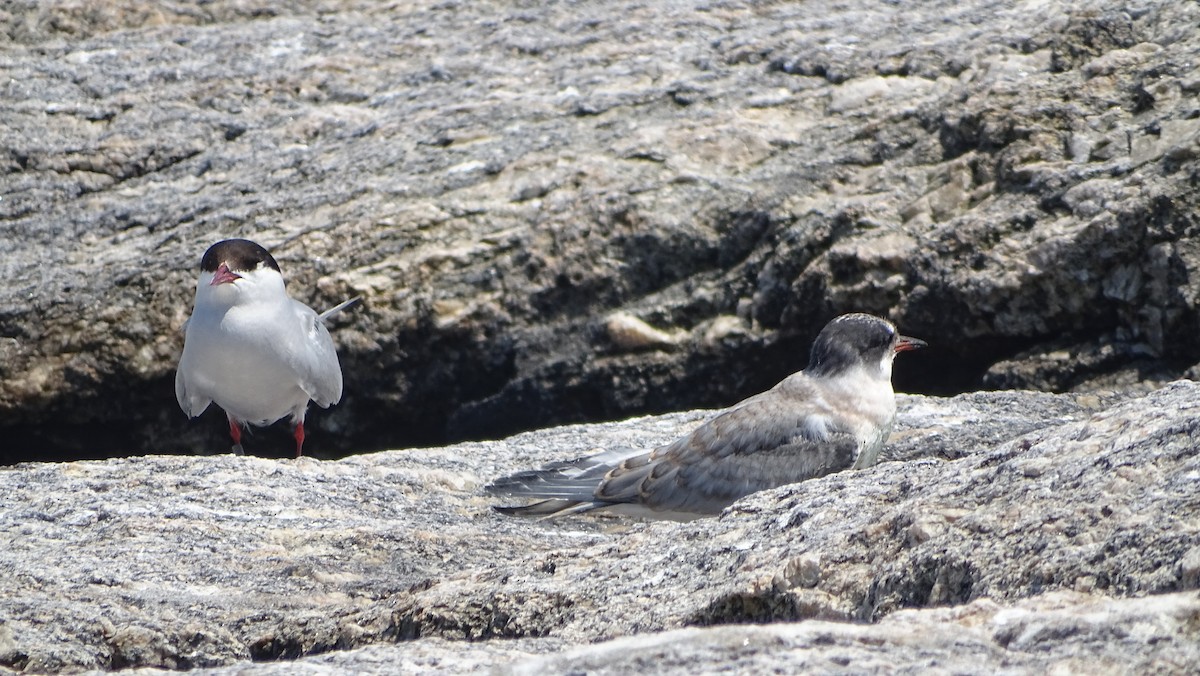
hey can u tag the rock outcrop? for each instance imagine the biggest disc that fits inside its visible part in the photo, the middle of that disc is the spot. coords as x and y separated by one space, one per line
1019 530
564 211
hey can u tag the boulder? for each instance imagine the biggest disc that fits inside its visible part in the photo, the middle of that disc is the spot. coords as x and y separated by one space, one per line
1014 530
554 215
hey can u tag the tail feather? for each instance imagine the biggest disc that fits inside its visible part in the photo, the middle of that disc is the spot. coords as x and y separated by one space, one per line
566 487
338 308
546 509
550 484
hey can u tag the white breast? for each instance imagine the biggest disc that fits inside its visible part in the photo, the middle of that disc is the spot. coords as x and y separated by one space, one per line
236 360
867 403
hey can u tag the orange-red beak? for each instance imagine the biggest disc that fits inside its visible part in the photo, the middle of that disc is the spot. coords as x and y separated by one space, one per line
906 344
224 276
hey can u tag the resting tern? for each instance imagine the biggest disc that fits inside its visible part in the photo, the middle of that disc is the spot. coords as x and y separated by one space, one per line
834 415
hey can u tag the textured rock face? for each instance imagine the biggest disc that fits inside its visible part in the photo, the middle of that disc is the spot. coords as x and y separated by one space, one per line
555 216
1058 632
1024 530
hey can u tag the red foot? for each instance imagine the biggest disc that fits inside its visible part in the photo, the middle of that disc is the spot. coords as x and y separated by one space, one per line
299 438
235 431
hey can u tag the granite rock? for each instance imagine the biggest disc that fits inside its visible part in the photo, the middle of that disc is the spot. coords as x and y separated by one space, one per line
1029 530
499 181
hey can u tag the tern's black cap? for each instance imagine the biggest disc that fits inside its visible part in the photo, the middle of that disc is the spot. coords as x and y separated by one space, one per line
241 255
849 340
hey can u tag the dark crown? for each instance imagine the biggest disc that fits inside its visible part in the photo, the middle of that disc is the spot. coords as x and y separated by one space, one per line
849 340
241 255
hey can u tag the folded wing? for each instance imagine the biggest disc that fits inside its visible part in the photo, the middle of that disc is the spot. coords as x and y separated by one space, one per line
766 441
315 358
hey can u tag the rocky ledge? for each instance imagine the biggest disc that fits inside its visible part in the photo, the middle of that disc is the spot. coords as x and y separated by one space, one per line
577 211
1010 530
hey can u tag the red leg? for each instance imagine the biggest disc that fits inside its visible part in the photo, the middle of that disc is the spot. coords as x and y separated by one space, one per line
235 431
299 438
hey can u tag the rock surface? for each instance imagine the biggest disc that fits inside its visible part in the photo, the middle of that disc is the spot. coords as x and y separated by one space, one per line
1016 530
554 215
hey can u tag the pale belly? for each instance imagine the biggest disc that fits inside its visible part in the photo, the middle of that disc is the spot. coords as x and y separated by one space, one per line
247 376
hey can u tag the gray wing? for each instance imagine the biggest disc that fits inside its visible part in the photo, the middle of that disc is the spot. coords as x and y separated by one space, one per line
759 445
768 440
315 358
192 404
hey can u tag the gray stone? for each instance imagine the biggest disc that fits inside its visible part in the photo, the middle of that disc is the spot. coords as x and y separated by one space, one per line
1013 183
1062 632
1019 531
1057 632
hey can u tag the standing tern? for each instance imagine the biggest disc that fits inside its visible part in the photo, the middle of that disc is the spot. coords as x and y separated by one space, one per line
251 348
